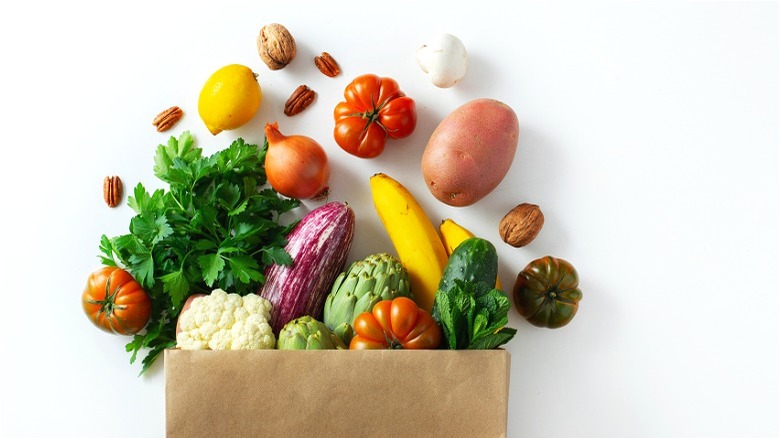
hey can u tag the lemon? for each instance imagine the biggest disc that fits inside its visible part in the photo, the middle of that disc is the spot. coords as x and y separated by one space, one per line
229 98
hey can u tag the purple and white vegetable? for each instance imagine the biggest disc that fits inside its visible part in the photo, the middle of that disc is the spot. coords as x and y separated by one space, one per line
319 245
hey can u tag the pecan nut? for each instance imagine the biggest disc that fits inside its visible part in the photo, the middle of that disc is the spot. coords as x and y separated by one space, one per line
112 190
327 65
166 119
300 99
521 225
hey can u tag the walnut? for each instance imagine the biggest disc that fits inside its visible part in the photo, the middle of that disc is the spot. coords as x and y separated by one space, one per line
276 46
521 225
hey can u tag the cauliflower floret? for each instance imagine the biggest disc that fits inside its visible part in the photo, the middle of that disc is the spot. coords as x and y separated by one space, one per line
223 321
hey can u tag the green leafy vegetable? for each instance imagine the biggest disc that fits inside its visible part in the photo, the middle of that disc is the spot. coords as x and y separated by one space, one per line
215 226
473 315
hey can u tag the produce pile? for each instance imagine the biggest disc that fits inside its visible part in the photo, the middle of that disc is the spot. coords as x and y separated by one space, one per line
208 264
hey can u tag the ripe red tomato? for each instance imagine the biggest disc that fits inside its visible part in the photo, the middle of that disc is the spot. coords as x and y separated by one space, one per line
397 323
115 302
374 109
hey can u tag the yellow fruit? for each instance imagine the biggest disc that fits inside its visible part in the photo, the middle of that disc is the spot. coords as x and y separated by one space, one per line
453 234
414 237
229 98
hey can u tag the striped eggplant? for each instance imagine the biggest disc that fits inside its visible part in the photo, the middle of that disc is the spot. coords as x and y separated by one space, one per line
319 245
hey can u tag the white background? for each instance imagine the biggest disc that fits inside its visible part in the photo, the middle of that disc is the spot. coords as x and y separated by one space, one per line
649 138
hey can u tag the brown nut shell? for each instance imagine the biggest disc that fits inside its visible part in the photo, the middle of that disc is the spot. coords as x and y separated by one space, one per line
521 225
276 46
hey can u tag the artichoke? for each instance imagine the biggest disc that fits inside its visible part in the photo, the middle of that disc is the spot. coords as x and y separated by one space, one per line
366 282
306 333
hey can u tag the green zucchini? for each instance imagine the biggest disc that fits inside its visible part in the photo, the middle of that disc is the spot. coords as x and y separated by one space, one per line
474 260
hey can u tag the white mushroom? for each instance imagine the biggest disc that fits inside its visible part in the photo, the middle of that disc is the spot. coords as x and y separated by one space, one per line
445 60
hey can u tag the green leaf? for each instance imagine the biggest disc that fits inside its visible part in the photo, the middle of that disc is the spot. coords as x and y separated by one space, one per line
150 229
493 340
276 255
244 230
182 148
245 268
239 156
211 265
137 257
107 252
144 203
481 321
205 245
447 318
160 335
143 268
176 285
206 219
179 172
240 208
228 195
140 199
473 315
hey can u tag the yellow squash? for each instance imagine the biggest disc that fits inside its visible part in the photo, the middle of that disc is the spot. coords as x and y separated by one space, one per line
414 237
453 234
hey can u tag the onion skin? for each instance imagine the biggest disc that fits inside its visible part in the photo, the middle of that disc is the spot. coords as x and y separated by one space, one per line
296 165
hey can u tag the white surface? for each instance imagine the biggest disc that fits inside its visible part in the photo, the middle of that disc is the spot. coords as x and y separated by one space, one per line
649 137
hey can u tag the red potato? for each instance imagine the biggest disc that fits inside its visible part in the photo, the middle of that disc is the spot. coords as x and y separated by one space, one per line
186 306
470 152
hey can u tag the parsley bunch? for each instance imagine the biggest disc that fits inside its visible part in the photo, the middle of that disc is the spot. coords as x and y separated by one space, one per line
215 227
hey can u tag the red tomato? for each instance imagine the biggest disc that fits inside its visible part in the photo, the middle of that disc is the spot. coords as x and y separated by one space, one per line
115 302
374 109
395 324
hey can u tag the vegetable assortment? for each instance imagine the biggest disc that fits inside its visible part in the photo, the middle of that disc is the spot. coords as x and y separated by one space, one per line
216 226
210 263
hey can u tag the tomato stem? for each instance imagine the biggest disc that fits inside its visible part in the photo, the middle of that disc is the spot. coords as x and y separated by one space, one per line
108 304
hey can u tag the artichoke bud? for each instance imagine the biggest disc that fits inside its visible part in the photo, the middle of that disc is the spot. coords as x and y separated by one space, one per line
306 333
366 282
344 331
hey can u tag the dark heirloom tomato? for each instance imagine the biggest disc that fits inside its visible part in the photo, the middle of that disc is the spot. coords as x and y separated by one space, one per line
374 109
547 292
115 302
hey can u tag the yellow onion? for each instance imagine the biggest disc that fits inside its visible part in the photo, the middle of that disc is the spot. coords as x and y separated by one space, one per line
296 165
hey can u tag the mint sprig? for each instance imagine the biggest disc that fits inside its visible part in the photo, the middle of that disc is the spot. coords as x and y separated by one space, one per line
473 315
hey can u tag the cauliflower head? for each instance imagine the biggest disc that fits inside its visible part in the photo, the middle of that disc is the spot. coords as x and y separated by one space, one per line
223 321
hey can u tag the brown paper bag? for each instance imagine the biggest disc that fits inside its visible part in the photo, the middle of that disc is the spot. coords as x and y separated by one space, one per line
381 393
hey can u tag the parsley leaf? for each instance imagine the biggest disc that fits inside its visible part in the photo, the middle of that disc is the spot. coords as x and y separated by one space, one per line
106 251
216 224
